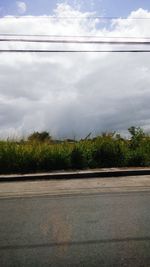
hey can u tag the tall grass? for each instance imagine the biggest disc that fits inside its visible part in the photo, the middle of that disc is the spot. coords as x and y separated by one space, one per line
99 152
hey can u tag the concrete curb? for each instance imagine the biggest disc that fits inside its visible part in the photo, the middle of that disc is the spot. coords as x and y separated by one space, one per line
101 173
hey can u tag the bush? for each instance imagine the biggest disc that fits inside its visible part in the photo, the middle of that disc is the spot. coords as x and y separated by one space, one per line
110 153
139 158
77 158
39 137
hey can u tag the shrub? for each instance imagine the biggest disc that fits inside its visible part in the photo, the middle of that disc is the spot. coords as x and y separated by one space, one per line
138 158
110 153
77 158
39 137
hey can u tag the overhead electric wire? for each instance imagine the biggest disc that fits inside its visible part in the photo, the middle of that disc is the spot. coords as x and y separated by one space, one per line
75 41
71 36
72 51
73 17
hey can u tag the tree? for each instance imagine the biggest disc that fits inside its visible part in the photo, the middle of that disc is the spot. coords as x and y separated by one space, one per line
137 135
40 137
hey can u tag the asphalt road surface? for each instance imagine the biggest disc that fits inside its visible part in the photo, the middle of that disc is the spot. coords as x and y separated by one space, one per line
97 229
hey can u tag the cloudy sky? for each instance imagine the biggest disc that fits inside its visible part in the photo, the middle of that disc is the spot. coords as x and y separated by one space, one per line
67 94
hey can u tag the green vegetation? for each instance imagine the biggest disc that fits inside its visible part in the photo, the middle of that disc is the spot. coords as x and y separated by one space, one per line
40 153
39 137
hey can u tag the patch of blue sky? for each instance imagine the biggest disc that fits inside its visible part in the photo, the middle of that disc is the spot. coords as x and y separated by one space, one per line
114 8
117 8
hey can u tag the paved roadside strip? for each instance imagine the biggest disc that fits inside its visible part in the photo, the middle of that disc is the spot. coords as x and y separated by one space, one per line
75 183
96 173
55 188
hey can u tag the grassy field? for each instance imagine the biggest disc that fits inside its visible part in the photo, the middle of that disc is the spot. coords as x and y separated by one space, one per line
108 150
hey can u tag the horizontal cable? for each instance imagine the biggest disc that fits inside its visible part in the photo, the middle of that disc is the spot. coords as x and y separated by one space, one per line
71 36
73 17
72 51
75 41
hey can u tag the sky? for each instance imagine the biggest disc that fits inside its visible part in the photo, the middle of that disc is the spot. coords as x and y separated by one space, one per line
71 95
46 7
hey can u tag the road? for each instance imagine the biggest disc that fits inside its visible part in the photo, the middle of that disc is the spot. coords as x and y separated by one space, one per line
110 228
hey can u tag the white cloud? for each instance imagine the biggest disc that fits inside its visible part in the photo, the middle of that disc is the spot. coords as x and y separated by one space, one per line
73 94
22 7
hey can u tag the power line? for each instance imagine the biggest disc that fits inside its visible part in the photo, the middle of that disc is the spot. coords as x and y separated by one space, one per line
72 51
73 17
72 36
75 41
